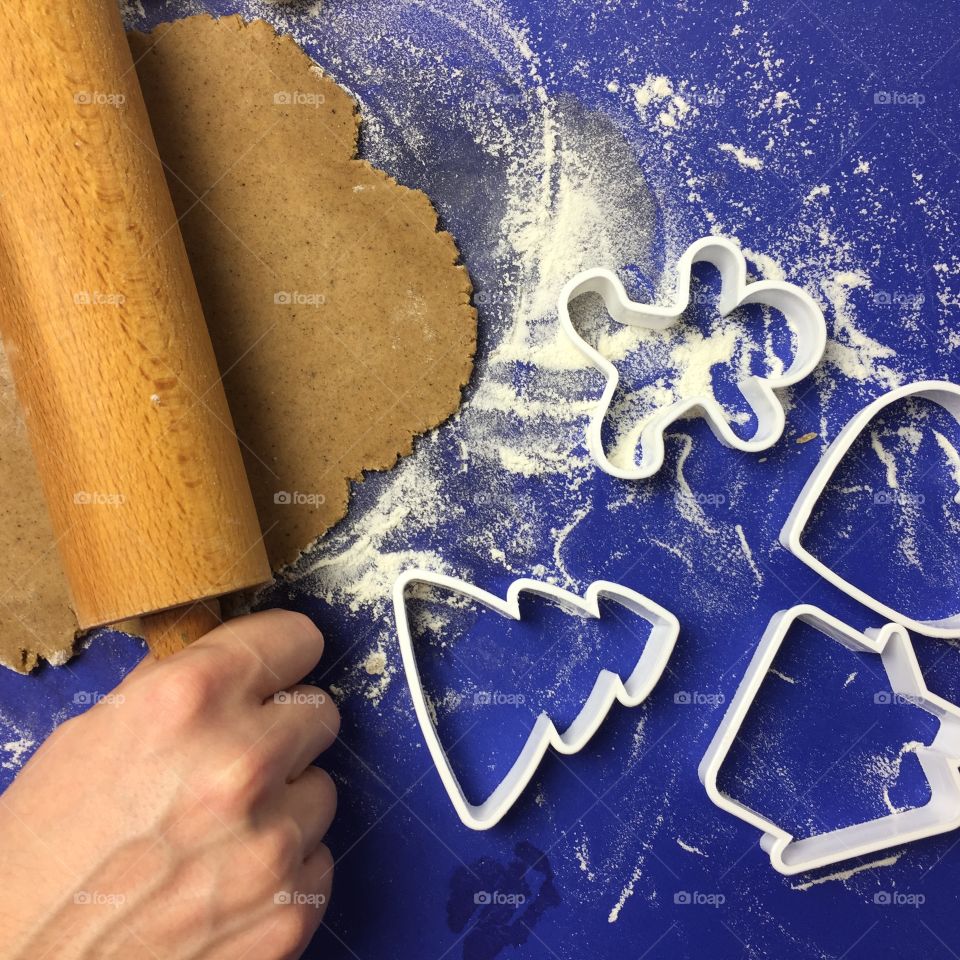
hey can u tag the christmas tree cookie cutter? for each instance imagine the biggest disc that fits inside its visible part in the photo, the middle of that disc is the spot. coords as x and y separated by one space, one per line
940 760
800 310
608 688
946 395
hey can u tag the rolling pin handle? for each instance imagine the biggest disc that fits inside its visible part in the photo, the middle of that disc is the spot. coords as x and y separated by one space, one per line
168 631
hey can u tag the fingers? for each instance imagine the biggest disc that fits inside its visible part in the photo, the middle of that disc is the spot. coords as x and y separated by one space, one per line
311 800
316 875
295 923
269 651
301 722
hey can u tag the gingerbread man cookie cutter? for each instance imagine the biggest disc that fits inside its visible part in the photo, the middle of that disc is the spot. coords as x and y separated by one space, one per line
607 689
940 760
946 395
800 310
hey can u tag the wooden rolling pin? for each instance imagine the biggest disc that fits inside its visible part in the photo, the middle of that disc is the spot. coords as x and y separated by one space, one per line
105 337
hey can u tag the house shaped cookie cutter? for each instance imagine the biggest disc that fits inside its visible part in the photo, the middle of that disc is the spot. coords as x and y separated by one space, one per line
801 312
607 689
940 760
947 395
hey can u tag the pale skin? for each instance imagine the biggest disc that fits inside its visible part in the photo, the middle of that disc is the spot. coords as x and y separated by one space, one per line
180 817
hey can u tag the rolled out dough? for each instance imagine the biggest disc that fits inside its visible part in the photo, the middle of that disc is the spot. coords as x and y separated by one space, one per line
35 616
340 314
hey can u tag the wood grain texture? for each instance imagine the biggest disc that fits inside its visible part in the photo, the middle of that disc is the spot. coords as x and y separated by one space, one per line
104 332
168 631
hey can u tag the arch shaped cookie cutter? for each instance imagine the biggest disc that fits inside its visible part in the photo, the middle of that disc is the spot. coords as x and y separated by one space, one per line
940 760
800 310
607 689
941 392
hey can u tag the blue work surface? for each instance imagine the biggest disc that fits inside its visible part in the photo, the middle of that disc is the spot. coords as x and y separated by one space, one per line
552 137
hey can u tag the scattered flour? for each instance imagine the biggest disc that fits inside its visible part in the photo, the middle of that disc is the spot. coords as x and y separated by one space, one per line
852 352
583 859
748 553
657 95
625 894
16 752
887 459
953 460
743 158
782 676
844 875
886 770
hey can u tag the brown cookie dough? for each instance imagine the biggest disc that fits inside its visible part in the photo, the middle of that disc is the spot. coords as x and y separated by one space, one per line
340 314
35 616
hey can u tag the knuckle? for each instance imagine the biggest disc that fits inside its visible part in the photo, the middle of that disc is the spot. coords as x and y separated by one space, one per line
181 696
241 783
281 847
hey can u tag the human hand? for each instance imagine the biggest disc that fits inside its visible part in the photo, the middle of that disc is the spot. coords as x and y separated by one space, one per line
179 817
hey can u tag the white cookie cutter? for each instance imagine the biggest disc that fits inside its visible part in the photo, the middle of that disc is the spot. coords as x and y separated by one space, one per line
607 688
802 314
939 760
947 395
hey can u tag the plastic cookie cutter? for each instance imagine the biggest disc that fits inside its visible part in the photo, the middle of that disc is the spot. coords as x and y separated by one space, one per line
947 395
939 760
801 312
607 689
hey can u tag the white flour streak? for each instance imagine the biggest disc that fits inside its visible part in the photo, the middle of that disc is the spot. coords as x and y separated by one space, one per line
844 875
625 895
887 459
742 157
560 538
953 459
748 553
